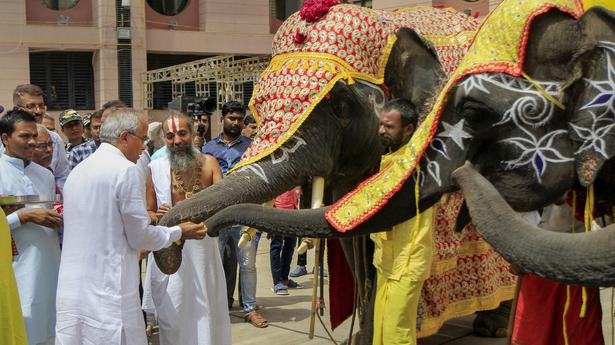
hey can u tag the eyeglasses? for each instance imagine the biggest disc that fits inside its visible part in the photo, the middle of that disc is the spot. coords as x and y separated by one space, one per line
33 107
143 139
44 146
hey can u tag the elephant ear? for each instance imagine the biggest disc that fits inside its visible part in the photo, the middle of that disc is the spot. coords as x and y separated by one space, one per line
553 40
413 70
592 109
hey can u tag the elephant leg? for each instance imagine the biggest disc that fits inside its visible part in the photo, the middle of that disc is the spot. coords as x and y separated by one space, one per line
493 323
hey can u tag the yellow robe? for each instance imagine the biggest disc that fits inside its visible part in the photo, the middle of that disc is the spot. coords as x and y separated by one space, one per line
402 257
12 326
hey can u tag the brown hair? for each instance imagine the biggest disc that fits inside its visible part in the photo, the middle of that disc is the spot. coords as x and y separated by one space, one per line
113 104
26 89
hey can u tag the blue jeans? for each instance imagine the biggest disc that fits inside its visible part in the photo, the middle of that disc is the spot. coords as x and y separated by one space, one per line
246 258
280 257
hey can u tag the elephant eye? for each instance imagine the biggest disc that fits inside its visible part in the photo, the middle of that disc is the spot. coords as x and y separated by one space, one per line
472 110
341 108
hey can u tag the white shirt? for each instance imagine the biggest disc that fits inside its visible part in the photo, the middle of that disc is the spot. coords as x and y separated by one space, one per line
36 266
59 162
105 226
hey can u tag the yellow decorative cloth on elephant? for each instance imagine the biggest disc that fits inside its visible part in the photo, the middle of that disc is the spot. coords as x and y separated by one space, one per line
499 46
349 42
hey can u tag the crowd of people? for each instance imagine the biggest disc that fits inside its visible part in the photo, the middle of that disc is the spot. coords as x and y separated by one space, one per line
76 263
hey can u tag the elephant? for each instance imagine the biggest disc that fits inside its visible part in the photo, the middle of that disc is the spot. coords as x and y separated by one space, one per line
339 139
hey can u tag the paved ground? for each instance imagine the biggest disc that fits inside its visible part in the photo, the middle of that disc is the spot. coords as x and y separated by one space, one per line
289 316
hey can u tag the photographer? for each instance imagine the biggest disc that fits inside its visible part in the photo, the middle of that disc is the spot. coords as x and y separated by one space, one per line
201 126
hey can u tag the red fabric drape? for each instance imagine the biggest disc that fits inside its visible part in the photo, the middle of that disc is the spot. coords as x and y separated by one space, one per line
341 284
540 307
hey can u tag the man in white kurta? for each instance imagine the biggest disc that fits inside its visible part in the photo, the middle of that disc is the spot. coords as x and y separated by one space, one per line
38 260
105 227
191 303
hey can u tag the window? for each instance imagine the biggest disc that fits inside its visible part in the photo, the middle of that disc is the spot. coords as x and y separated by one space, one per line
282 9
168 7
60 5
67 78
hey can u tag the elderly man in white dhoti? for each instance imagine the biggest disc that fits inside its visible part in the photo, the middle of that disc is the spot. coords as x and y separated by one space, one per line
190 304
105 226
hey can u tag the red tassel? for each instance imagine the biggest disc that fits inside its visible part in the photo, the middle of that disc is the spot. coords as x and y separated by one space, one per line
299 37
312 10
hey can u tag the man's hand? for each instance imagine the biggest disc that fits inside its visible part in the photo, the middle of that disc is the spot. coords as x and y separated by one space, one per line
191 231
41 216
162 210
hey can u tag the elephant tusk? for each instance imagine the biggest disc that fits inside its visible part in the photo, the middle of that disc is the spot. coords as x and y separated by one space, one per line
306 244
248 233
318 191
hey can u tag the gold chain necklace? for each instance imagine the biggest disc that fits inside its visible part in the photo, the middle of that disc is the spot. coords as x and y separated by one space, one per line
180 186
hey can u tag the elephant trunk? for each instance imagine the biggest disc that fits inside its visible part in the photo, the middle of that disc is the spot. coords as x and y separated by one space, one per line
255 183
301 223
579 259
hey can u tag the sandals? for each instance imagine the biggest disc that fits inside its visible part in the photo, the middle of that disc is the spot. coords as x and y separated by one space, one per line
256 319
280 289
294 285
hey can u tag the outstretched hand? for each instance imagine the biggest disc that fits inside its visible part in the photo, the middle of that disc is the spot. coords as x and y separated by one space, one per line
191 231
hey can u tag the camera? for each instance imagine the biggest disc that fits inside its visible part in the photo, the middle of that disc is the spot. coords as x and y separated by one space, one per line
195 107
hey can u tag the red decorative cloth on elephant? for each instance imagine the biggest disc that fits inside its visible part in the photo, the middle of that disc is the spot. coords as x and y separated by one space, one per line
551 313
467 275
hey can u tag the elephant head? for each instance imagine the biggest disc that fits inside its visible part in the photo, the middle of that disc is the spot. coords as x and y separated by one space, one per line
339 139
579 258
517 128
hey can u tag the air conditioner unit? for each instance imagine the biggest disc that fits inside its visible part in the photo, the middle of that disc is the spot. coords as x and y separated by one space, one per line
123 33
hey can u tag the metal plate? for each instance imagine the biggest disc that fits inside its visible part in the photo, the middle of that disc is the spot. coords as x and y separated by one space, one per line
29 199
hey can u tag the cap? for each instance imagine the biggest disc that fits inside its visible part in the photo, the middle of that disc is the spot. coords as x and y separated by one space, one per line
69 115
87 120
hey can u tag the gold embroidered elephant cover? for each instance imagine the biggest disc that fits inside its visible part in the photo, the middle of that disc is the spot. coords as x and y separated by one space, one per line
349 42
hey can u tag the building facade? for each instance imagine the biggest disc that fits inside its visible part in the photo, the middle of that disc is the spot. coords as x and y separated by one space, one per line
86 52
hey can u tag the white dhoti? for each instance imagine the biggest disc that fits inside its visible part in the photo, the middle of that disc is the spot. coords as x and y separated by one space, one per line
190 304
